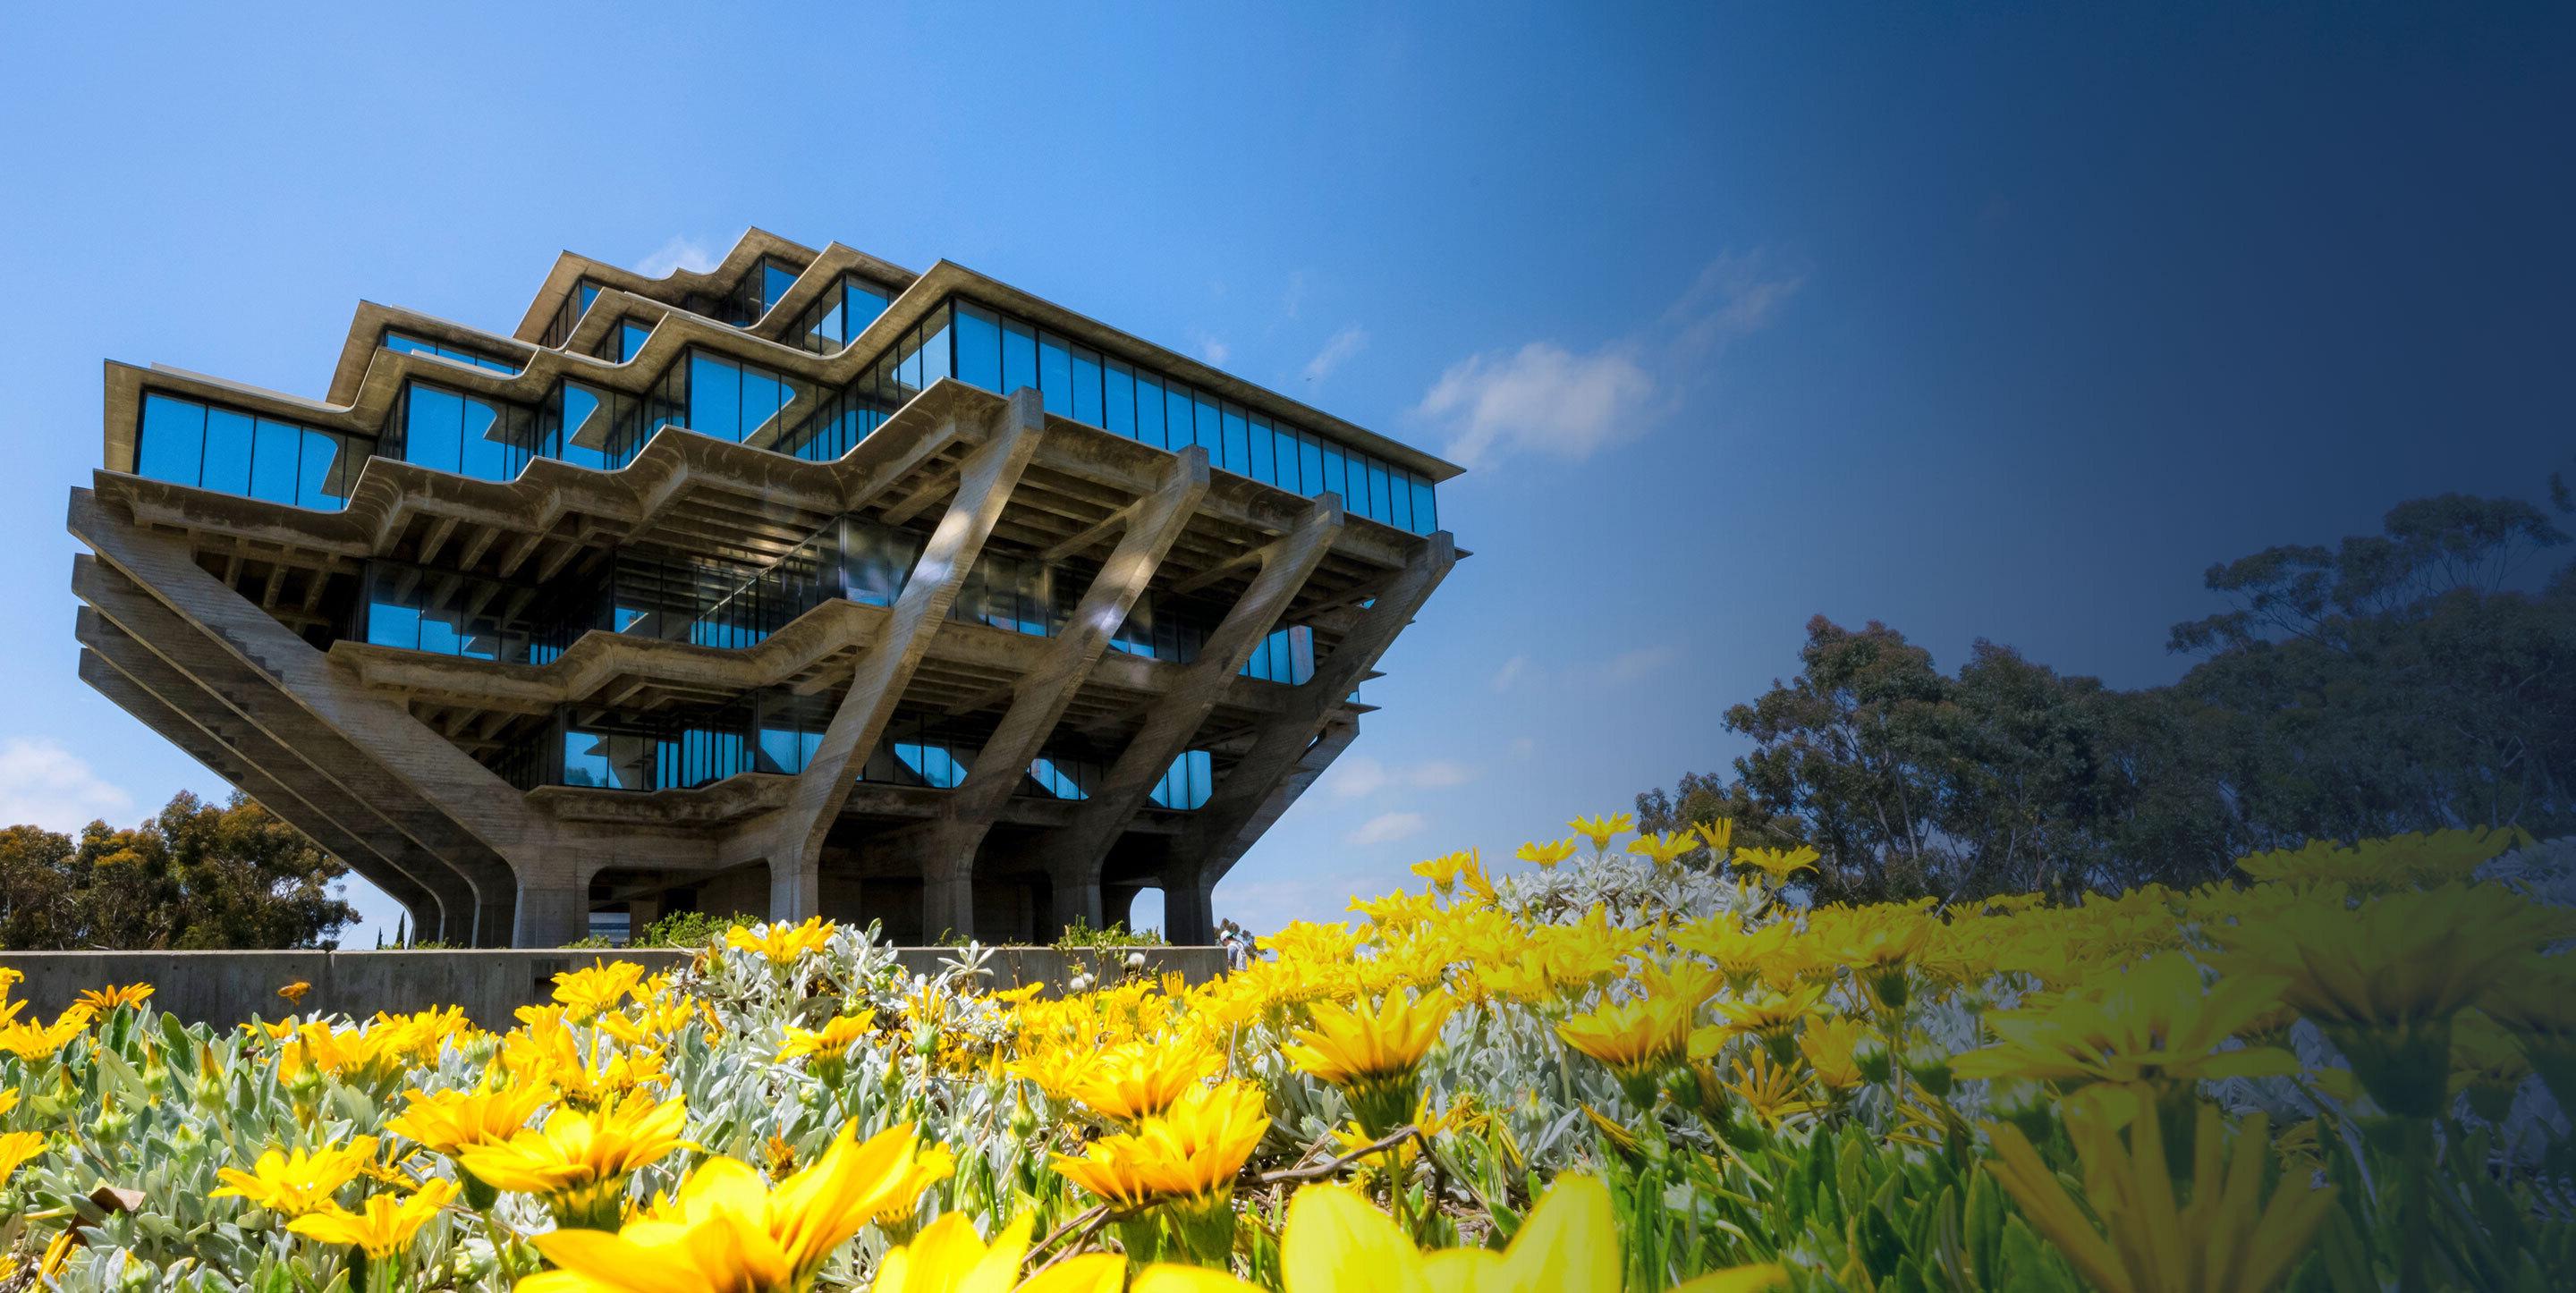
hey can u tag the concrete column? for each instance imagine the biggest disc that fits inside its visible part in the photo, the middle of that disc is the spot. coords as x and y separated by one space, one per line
550 913
1078 899
795 892
1189 906
948 901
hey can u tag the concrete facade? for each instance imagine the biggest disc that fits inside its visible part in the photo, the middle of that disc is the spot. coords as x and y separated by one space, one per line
917 758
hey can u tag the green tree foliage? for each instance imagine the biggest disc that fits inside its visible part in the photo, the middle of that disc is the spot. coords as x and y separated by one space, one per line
2400 681
197 875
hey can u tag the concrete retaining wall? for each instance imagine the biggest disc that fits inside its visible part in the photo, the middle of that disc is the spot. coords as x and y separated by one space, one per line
226 988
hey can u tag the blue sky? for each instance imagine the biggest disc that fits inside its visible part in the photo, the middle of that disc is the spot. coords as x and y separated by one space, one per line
1986 324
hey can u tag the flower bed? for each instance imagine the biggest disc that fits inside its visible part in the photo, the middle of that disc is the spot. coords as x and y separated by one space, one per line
1611 1067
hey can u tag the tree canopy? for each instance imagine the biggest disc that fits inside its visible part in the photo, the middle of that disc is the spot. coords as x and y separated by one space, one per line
2400 681
195 876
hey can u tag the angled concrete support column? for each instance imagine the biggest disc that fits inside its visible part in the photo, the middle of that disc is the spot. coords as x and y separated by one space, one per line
252 709
1078 899
1083 846
985 482
1220 830
1189 905
314 823
966 815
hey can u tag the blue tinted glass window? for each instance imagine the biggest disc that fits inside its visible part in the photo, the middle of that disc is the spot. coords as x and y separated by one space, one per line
866 302
715 397
431 418
1118 398
390 623
1334 482
764 393
1426 508
775 279
272 465
1238 443
1210 431
1086 386
1055 375
1380 496
481 454
171 442
319 477
1399 499
630 338
228 441
1284 443
934 347
1177 429
979 348
1149 412
1019 356
1264 467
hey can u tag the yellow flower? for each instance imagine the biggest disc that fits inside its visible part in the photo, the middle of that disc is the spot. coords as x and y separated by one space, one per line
1775 1093
578 1163
1664 847
385 1226
1546 855
1443 871
2399 862
31 1041
297 1183
726 1230
1191 1151
2154 1024
1718 834
1779 864
1772 1017
930 1166
1372 1052
103 1000
1637 1039
16 1147
447 1121
2228 1239
1599 830
596 987
831 1041
948 1257
1830 1046
1131 1080
294 992
781 942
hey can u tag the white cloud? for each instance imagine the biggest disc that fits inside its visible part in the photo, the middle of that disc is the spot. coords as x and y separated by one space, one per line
1524 746
1548 400
1513 671
44 784
1631 665
1294 299
1360 776
1734 296
1339 348
1214 352
1539 399
681 252
1386 828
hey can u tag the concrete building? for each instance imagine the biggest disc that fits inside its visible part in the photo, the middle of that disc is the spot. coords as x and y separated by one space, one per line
807 584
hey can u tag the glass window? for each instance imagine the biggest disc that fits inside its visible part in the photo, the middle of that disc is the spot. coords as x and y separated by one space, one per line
320 473
1118 398
431 418
1399 499
274 446
1310 466
1178 432
1019 356
1209 430
1150 407
1055 375
630 338
715 397
228 444
979 348
391 623
1284 447
934 347
1426 508
481 451
775 279
1237 456
171 442
866 301
1086 386
1334 481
